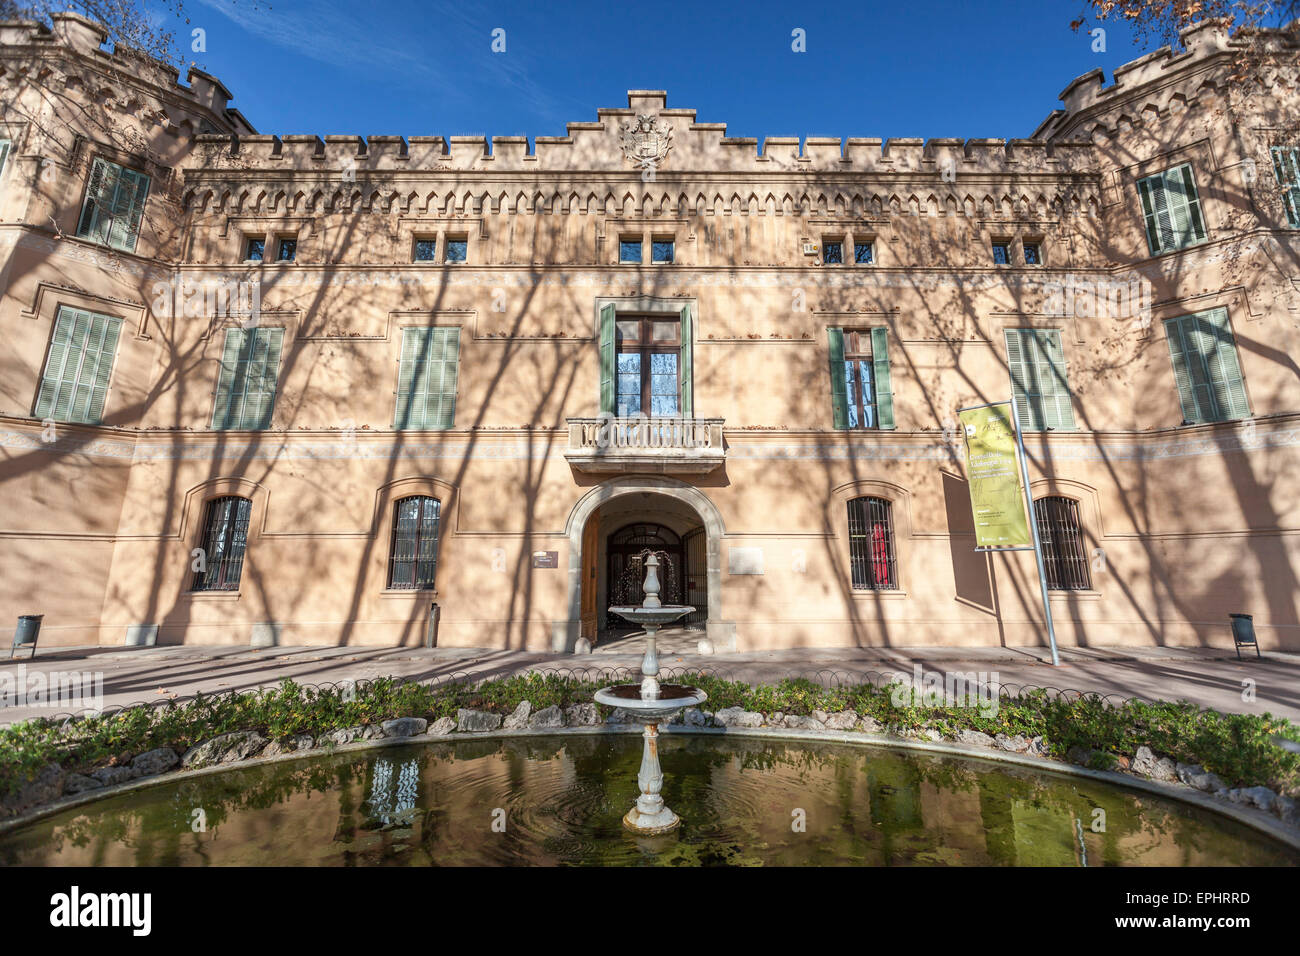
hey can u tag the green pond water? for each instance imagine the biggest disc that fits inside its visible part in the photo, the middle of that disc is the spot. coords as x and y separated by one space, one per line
560 801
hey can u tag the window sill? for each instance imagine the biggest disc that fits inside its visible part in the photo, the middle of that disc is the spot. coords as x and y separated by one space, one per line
1088 594
422 593
869 594
211 595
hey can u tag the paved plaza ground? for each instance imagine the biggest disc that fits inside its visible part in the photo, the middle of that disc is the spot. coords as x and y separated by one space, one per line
1210 677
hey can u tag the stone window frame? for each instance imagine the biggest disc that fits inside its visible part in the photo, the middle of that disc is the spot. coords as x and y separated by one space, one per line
194 511
837 518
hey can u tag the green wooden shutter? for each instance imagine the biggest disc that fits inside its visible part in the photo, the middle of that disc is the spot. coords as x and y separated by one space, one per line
1286 164
1207 371
225 411
246 384
74 384
839 387
444 362
426 379
114 205
1040 388
883 380
99 196
1172 209
1028 415
263 370
1193 391
607 319
1053 387
128 209
686 407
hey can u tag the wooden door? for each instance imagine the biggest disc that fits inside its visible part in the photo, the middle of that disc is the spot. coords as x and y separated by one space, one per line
590 537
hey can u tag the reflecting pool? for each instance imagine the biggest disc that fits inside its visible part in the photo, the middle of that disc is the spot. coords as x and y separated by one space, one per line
560 801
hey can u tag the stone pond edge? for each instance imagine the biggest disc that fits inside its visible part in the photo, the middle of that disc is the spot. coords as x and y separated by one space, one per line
1251 817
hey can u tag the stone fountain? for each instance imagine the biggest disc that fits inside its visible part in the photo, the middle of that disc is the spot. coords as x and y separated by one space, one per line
650 703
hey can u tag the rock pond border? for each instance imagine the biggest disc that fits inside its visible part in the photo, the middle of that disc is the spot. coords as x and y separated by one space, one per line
500 728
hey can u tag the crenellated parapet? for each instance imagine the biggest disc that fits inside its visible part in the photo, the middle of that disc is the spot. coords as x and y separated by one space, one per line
1157 88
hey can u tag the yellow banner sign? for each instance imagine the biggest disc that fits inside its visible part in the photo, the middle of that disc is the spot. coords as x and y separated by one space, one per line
993 472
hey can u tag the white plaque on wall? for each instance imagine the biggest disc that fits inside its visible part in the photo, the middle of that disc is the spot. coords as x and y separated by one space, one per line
745 561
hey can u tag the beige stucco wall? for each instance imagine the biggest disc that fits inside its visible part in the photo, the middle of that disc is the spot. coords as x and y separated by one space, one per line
1185 524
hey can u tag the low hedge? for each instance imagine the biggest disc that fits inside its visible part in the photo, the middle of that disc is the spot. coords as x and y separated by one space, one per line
1237 747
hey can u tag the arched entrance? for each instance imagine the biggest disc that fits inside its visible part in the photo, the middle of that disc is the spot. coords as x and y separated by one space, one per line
690 524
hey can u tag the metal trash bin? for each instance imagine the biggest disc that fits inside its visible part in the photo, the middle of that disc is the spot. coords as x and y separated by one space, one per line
26 633
1243 633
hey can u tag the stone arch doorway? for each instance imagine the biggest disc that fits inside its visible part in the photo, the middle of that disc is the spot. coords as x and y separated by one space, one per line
683 509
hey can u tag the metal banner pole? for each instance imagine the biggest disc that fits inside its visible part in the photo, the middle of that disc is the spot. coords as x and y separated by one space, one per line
1038 545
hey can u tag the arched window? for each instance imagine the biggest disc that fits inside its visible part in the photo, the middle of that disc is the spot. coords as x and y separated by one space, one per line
414 557
225 536
871 545
1065 559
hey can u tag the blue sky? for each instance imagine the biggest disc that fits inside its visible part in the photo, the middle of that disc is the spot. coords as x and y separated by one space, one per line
426 67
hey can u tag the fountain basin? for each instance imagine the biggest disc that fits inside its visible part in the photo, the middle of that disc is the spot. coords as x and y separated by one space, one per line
671 699
653 616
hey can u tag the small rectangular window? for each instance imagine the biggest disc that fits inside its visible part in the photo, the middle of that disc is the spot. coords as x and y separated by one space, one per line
114 205
1172 210
629 250
255 251
833 252
1033 254
661 250
4 154
426 250
862 253
1002 253
77 370
457 249
288 249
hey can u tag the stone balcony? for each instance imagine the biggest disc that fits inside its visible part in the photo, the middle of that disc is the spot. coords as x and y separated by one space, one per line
664 446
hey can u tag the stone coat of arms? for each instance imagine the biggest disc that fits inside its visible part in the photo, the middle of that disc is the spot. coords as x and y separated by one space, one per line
646 141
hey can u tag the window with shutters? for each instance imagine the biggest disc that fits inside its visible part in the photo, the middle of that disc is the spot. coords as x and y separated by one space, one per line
250 365
426 378
1172 209
1207 372
4 154
861 383
78 367
1065 559
413 560
872 563
114 205
225 538
646 363
1038 382
1286 165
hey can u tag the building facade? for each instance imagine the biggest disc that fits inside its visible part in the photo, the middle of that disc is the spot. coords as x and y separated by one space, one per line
284 389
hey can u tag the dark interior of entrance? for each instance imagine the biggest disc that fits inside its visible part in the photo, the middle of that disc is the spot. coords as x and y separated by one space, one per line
681 570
